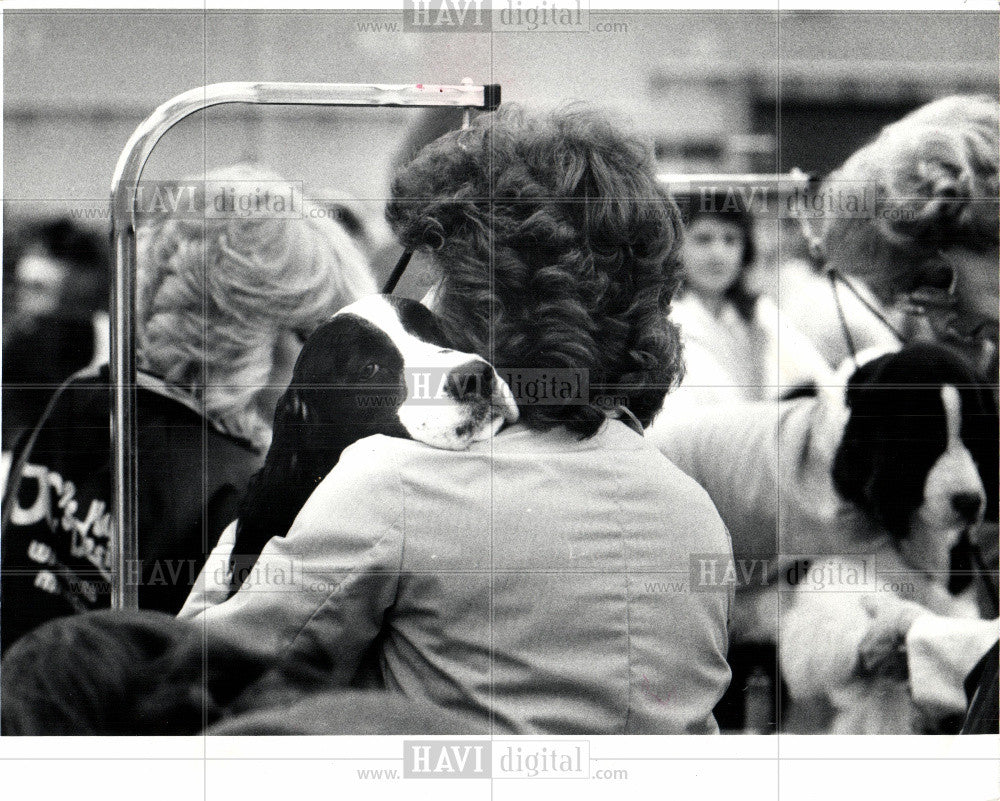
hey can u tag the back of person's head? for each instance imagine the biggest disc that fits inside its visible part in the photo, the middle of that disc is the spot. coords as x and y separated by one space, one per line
63 239
557 249
728 206
215 292
926 183
124 673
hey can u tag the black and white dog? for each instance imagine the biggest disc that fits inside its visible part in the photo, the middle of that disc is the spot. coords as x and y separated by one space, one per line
379 366
854 503
919 455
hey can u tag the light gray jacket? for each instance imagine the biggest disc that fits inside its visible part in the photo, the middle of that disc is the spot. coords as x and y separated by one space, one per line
535 581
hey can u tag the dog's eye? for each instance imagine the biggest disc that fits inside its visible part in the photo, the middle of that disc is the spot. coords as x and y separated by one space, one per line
368 371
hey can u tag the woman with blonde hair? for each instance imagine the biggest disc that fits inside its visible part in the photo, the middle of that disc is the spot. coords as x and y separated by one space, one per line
224 303
914 215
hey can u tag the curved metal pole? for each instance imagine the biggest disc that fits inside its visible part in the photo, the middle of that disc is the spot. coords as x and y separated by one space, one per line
124 185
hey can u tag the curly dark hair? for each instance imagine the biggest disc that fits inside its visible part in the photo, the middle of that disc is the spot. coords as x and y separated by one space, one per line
558 249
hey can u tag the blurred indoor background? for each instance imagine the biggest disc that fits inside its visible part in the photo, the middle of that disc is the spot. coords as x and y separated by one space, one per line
716 90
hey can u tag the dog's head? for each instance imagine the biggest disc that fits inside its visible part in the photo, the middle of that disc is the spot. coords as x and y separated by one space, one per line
382 366
379 366
919 451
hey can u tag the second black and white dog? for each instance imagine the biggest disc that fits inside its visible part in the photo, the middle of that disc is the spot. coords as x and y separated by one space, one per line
851 504
380 366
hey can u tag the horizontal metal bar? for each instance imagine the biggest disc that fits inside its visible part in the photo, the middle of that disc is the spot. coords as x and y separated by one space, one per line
780 183
338 94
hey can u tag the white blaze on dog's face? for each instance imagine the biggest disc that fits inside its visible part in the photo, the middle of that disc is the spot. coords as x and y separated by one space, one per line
954 498
919 439
452 398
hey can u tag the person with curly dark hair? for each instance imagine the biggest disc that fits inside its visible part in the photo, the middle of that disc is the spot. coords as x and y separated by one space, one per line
531 580
557 248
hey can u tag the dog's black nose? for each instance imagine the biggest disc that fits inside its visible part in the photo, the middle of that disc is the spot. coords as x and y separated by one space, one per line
470 380
967 504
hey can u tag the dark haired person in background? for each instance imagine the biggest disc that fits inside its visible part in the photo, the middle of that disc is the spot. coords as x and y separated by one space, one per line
737 347
55 315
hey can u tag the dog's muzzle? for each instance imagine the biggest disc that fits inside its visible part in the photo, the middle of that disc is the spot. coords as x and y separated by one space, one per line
470 381
460 403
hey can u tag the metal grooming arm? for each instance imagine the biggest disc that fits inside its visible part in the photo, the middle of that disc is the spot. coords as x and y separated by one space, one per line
772 183
781 185
124 186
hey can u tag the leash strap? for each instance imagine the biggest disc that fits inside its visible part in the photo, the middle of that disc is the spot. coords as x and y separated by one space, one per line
844 327
817 255
397 272
626 415
834 276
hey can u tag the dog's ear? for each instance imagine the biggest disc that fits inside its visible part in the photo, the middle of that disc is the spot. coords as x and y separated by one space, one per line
264 509
854 464
292 418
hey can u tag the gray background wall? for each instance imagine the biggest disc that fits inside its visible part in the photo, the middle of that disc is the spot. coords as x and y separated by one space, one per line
707 86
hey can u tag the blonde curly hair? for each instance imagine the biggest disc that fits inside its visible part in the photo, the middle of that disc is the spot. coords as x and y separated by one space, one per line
215 294
926 183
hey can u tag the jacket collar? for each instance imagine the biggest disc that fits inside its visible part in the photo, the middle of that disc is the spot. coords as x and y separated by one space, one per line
155 384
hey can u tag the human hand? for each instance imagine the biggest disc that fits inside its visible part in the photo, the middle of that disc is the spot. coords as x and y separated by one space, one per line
882 651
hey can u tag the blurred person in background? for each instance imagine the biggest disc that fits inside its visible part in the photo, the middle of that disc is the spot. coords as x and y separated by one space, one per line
927 244
55 318
927 238
224 304
804 295
118 672
122 673
737 347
